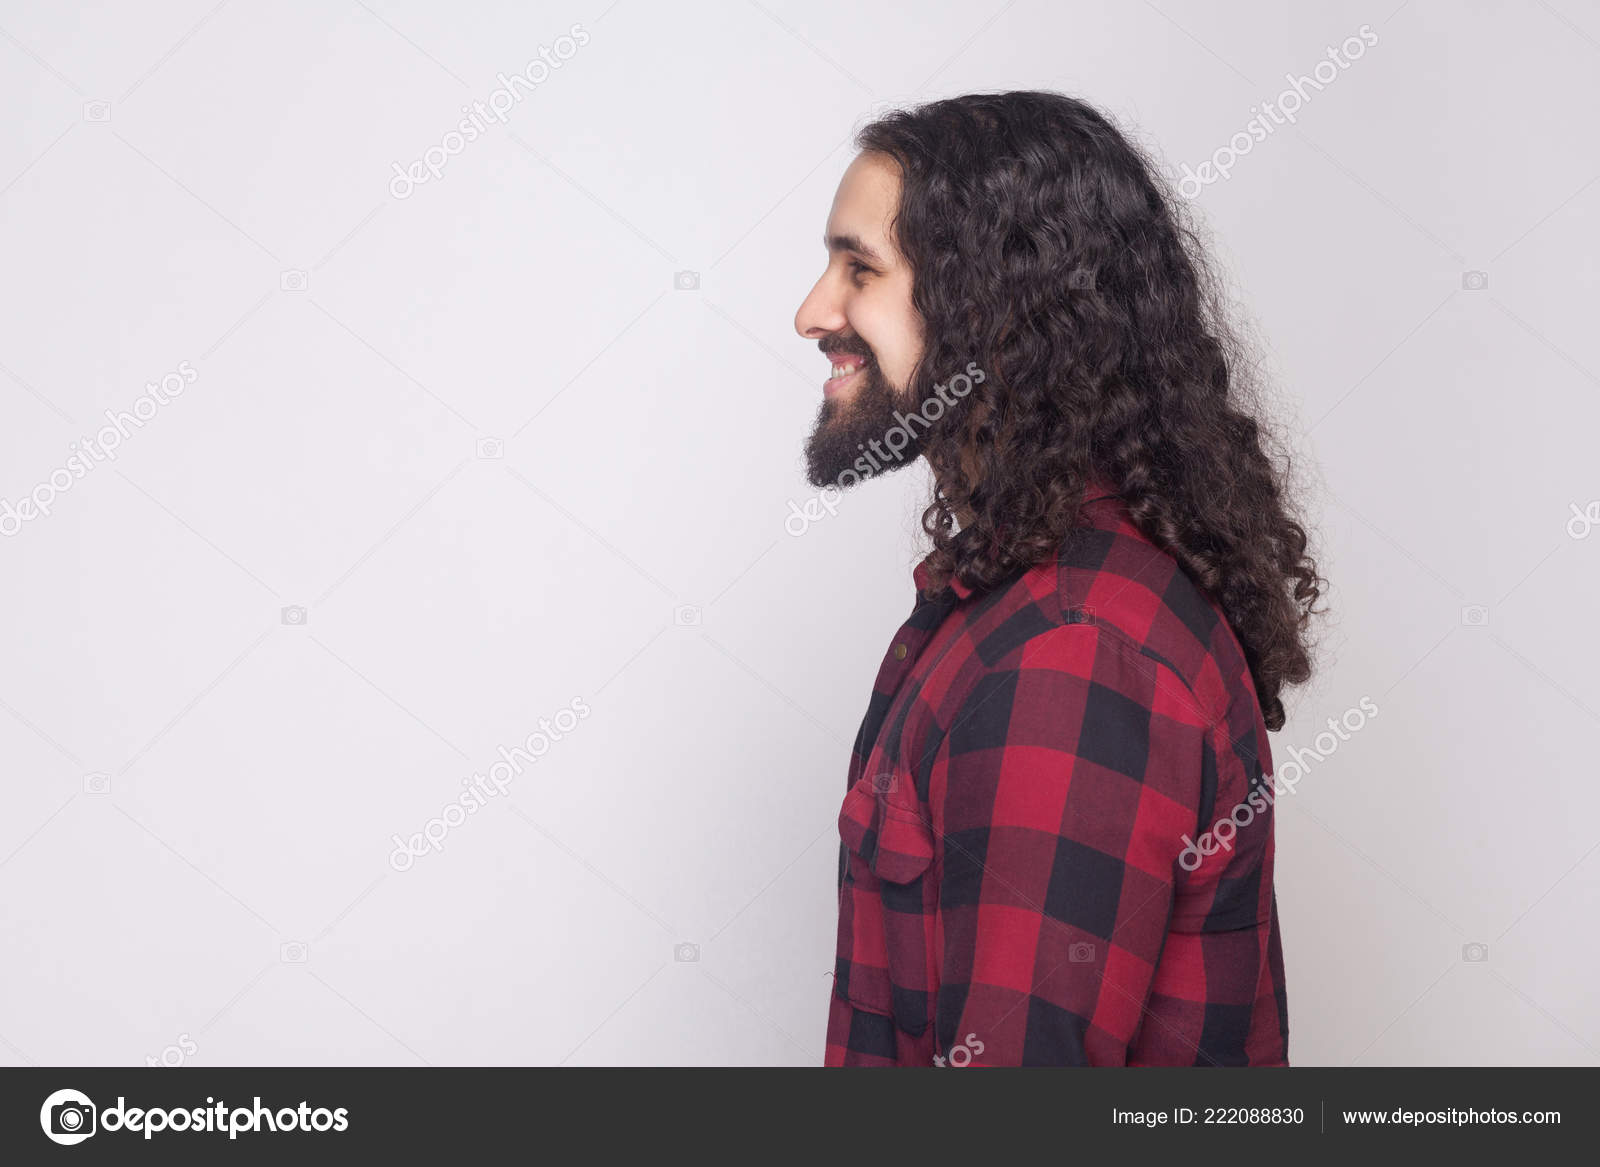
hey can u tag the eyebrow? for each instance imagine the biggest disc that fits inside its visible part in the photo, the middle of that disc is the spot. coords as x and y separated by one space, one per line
850 243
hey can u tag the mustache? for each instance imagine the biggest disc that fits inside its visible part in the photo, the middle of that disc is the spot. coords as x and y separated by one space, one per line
853 348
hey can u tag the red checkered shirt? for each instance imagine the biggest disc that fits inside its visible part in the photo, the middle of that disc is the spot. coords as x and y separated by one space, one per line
1026 875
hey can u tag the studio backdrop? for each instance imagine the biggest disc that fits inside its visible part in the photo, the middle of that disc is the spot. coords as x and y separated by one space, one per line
402 398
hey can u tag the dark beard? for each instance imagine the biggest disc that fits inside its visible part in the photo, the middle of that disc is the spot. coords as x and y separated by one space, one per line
844 430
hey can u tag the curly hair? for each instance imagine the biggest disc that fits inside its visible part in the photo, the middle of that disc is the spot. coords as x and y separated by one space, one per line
1044 245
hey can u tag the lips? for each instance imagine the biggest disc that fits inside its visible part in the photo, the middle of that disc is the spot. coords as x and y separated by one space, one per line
845 368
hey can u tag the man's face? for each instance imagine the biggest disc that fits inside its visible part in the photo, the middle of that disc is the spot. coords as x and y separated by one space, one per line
860 314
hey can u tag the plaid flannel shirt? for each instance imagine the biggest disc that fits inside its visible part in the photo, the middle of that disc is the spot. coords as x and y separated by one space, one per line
1024 876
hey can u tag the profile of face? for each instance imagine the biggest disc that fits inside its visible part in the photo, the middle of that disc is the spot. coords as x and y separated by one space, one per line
861 316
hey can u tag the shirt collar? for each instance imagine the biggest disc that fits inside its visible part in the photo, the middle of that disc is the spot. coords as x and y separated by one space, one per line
921 572
1097 488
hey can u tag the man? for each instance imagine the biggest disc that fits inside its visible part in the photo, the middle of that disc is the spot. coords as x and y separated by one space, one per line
1057 839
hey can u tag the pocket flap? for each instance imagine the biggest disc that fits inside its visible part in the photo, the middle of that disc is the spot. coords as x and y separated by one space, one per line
881 820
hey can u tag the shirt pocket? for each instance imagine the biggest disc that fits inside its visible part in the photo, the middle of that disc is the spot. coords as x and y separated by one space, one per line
884 911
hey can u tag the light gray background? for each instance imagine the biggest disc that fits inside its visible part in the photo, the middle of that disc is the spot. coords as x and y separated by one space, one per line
328 456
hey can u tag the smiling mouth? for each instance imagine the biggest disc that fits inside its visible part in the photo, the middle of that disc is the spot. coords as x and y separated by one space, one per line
845 368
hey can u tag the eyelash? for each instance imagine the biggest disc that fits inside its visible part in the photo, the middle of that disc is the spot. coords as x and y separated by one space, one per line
858 269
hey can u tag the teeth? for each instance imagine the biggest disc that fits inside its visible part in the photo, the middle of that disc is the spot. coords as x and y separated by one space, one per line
843 370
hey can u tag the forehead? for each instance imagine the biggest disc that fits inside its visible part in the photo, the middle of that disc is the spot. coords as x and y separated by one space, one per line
866 201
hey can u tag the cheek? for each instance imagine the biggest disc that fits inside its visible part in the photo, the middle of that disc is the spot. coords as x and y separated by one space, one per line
890 326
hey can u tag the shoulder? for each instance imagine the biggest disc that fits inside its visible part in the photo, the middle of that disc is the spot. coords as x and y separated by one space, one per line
1111 574
1112 619
1112 612
1079 685
1112 624
1076 730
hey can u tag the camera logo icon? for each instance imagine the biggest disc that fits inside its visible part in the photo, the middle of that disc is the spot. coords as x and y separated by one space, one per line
97 111
686 616
1081 280
1475 616
491 448
294 614
883 783
685 953
1474 281
1081 953
1584 521
68 1117
97 783
1475 953
686 281
293 280
292 952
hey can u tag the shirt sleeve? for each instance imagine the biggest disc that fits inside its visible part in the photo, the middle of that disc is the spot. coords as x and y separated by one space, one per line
1062 796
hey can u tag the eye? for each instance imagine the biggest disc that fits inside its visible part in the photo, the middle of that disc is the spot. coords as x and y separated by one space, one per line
859 269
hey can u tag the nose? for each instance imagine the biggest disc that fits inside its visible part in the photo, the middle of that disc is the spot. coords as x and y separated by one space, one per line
821 313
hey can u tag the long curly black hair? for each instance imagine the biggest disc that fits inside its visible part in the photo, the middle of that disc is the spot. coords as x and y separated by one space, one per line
1045 247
